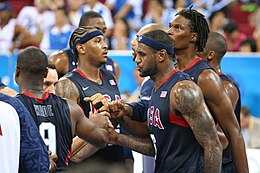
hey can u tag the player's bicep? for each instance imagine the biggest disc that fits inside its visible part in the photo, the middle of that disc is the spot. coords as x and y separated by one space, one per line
67 89
187 98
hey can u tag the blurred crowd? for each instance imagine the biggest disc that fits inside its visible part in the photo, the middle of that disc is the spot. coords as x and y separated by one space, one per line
48 23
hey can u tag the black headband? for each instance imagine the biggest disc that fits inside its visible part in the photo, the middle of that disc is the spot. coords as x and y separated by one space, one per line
86 38
155 44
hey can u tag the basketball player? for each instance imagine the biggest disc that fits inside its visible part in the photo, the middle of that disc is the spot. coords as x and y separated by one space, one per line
189 32
213 53
57 119
88 79
64 61
22 148
175 116
51 79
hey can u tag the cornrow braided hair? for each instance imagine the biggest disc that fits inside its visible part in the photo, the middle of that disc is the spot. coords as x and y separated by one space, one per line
77 34
199 25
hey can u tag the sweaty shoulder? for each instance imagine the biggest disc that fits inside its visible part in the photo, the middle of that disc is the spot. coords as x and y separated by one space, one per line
209 79
67 89
61 62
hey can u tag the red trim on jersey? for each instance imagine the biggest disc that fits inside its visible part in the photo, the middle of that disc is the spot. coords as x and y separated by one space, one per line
83 75
1 133
165 80
193 63
44 97
68 158
178 120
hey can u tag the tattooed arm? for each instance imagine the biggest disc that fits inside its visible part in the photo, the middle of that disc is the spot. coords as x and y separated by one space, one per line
187 98
140 145
67 89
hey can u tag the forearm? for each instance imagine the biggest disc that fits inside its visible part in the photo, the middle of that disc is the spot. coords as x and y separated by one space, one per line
141 145
84 153
138 129
212 157
239 153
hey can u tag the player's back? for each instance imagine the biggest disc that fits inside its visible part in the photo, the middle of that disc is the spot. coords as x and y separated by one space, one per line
52 117
176 146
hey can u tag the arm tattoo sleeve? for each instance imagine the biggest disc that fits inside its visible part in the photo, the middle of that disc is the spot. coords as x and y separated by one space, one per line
188 99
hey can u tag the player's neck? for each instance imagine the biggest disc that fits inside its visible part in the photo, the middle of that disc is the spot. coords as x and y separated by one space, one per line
92 73
35 89
184 59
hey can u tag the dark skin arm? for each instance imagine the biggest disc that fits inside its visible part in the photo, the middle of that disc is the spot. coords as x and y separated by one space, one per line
187 98
221 108
120 112
232 92
87 129
67 89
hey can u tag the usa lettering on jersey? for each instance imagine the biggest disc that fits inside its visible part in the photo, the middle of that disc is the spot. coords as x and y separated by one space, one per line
154 118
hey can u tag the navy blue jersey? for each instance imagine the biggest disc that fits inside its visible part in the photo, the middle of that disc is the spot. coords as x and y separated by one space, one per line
34 157
177 149
227 164
109 89
70 55
108 66
196 68
140 107
52 116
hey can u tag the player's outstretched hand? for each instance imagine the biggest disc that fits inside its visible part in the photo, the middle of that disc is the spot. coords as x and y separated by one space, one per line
117 109
101 119
99 102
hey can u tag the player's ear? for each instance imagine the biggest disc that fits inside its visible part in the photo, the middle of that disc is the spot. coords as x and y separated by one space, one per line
162 54
17 74
80 48
211 55
194 37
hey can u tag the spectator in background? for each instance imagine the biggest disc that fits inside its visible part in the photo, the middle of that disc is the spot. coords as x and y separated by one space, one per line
36 19
132 10
233 36
248 45
250 126
121 35
58 36
217 22
95 5
74 8
157 13
12 35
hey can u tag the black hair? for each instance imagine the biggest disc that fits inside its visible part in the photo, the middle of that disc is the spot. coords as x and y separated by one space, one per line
77 34
32 61
199 25
50 65
230 27
217 43
87 16
245 111
249 42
